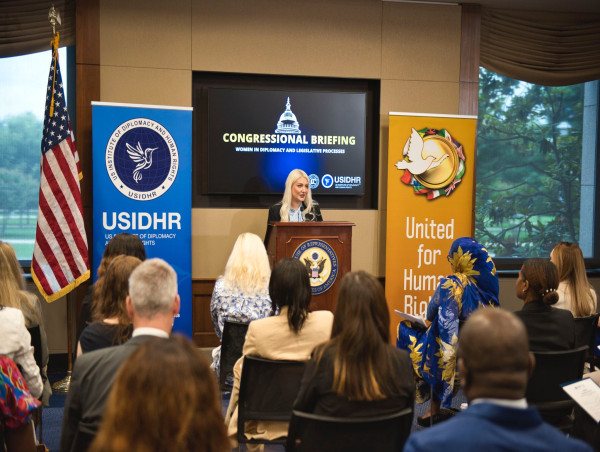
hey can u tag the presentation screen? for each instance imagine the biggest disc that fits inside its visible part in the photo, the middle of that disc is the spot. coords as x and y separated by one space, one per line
257 136
251 130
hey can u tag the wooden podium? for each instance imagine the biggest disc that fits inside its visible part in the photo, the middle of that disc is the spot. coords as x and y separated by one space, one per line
324 247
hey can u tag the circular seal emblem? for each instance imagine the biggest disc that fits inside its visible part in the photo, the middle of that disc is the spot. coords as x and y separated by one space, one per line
327 180
321 264
142 159
313 180
433 162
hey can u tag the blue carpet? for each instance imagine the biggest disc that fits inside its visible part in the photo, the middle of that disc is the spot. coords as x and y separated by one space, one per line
52 416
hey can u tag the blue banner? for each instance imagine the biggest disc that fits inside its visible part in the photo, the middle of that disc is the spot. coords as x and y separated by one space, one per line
142 159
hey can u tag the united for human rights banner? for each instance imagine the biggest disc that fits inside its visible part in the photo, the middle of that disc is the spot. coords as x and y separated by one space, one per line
430 202
142 185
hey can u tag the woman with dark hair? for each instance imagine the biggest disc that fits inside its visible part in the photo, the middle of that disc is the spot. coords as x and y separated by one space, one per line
548 328
123 243
112 325
473 284
164 399
291 335
357 372
297 204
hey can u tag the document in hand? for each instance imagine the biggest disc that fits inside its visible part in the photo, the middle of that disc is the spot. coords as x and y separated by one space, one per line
586 393
413 318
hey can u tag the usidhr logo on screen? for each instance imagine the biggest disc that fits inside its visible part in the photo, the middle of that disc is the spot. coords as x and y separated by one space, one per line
142 159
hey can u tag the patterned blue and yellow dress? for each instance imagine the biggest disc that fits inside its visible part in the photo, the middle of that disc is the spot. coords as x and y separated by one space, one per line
472 285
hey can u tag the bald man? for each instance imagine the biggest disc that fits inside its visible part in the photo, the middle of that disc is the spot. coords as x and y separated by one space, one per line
494 364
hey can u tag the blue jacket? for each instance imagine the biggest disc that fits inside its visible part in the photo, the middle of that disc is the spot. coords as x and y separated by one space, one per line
494 428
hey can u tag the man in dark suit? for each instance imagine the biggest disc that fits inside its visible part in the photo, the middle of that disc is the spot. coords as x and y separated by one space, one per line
152 304
494 365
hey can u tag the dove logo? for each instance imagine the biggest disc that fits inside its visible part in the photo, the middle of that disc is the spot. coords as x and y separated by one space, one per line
433 162
142 159
321 264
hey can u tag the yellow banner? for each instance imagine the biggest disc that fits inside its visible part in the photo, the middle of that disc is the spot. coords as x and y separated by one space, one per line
430 203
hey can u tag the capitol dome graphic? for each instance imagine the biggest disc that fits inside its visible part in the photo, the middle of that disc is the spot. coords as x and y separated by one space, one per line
287 121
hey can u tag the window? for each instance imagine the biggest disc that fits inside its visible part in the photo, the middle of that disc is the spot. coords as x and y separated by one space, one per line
537 160
23 83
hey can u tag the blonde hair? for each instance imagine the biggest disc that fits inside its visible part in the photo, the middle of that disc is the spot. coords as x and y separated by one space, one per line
571 268
287 195
12 284
248 269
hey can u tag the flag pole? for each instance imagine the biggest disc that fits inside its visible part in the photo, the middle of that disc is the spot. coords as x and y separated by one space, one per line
62 386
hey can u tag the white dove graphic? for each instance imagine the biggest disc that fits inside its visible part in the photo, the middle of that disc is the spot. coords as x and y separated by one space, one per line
416 164
143 158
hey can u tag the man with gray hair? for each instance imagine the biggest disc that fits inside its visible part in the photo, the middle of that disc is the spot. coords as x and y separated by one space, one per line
494 364
152 305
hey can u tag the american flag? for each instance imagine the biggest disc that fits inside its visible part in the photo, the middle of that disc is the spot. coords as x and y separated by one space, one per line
60 254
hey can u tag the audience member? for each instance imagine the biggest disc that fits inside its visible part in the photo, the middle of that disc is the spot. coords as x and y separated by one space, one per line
16 343
472 284
16 406
164 399
494 364
241 294
152 304
122 243
575 293
358 373
112 325
291 335
548 328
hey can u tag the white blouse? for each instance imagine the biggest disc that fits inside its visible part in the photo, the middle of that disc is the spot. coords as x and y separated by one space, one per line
564 298
16 345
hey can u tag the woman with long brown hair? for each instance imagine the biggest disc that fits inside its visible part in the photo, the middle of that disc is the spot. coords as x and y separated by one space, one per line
164 399
574 290
112 325
357 372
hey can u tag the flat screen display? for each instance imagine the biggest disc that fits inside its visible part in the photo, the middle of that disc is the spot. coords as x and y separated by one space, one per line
257 136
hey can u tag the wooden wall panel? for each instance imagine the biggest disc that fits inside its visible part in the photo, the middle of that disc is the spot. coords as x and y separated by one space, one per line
202 328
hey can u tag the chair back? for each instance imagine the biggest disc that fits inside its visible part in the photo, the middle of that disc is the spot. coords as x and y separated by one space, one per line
552 369
316 433
585 333
232 345
268 389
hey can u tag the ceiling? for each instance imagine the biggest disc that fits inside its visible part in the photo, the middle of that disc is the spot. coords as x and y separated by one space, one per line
588 6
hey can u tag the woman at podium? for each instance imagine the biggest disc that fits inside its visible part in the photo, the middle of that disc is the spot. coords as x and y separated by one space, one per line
297 204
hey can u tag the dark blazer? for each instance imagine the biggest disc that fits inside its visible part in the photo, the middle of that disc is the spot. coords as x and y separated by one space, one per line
493 428
91 381
548 328
313 215
317 396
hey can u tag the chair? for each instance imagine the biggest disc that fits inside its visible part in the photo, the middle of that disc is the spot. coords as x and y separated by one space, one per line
268 390
36 342
544 389
585 333
232 344
315 433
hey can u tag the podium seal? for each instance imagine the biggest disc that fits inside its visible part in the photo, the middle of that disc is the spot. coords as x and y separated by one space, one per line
321 264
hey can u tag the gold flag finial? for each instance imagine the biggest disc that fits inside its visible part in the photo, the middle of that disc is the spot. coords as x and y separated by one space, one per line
54 18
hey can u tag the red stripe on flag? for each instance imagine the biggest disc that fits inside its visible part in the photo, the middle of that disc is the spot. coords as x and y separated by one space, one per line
46 250
54 223
74 188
